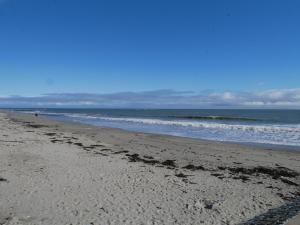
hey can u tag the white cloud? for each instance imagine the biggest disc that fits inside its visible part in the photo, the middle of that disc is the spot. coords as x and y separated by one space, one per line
228 96
281 98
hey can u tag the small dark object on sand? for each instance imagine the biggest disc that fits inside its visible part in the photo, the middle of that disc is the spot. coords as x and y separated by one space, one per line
105 149
35 125
275 173
218 175
169 163
78 144
3 179
50 134
97 146
181 175
192 167
133 157
36 114
221 168
120 152
136 158
56 140
99 153
241 177
289 182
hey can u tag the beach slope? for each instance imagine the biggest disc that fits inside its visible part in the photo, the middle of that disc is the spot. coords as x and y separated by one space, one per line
64 173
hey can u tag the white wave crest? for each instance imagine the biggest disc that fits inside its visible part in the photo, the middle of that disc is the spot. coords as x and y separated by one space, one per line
208 125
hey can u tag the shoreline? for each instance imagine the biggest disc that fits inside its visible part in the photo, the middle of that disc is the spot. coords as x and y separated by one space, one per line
246 144
260 146
189 180
242 145
267 133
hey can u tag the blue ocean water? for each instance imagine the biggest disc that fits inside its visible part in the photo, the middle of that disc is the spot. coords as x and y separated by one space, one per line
274 127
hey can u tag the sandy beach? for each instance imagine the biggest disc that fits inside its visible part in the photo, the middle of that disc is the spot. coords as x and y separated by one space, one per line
66 173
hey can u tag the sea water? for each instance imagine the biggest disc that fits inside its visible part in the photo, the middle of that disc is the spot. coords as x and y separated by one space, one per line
274 127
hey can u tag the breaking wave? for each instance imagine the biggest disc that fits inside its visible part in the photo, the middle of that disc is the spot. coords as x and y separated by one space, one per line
211 128
216 118
196 124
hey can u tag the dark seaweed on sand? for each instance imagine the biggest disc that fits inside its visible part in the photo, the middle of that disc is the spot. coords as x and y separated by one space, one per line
3 179
120 152
136 158
242 177
78 144
275 173
97 145
35 125
181 175
170 163
289 182
50 134
193 168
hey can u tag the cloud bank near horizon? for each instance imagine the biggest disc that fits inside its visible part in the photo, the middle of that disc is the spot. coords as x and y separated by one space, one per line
279 98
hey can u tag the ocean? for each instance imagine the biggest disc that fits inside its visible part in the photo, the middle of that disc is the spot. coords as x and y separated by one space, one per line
262 127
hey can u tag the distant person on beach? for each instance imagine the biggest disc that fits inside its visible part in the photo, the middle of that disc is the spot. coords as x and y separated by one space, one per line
36 114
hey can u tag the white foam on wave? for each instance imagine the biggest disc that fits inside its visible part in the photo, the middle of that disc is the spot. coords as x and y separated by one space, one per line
277 134
197 124
210 125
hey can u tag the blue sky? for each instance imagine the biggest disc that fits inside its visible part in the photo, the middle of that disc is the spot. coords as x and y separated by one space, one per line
207 48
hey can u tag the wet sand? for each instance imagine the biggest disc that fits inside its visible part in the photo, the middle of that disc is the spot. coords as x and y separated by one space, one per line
294 221
65 173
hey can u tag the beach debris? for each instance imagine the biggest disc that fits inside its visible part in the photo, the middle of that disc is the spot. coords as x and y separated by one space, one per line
221 168
5 220
78 144
135 158
120 152
285 197
275 173
170 163
56 140
241 177
289 182
193 168
35 125
274 188
105 149
50 134
3 179
99 153
181 175
96 145
218 175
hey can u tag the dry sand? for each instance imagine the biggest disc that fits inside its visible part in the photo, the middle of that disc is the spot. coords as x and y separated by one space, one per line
63 173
